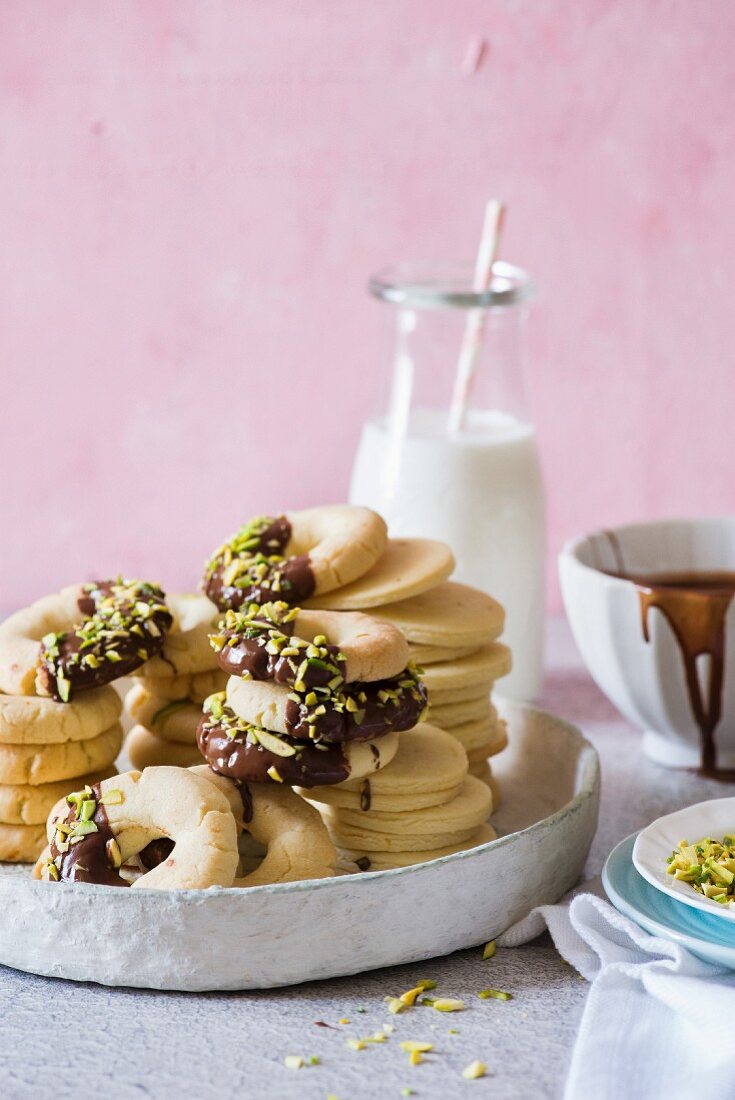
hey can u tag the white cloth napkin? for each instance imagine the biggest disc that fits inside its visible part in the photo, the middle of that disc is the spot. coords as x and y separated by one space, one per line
658 1023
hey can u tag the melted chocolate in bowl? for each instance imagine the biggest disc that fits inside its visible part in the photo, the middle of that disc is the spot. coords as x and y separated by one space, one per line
695 604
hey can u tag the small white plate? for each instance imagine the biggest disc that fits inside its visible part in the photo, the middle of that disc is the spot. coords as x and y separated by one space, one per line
655 844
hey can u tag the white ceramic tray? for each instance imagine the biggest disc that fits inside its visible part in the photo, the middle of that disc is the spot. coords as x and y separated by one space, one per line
296 932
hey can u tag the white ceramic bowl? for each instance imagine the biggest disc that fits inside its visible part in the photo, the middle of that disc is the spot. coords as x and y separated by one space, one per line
646 680
653 845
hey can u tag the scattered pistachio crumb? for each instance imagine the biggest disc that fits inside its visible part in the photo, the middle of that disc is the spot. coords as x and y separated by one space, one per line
344 1020
427 983
395 1005
489 949
406 1092
355 1044
293 1061
360 1010
313 1060
415 1058
448 1004
452 1031
409 997
474 1070
410 1045
495 994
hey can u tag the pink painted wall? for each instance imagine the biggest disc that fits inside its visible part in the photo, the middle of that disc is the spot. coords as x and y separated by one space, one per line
193 193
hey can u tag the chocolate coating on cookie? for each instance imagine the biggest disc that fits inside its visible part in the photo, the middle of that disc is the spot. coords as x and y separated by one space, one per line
358 712
124 624
233 748
260 645
251 567
83 848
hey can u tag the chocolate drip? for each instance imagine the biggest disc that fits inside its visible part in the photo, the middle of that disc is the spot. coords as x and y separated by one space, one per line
381 707
695 605
269 574
365 796
247 801
88 860
248 762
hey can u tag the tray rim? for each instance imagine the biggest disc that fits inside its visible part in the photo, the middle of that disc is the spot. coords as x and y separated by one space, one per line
587 781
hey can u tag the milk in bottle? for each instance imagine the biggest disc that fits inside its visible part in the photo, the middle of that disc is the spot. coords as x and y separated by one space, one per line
478 488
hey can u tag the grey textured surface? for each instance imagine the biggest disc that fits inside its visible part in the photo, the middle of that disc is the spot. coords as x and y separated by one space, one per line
60 1039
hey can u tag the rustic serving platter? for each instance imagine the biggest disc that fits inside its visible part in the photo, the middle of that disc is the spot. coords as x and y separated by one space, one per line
266 936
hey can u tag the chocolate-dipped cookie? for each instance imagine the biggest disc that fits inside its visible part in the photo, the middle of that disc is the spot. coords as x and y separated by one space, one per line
248 753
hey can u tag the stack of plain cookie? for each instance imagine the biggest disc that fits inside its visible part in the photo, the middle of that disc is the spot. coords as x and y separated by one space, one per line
165 703
421 806
452 631
46 749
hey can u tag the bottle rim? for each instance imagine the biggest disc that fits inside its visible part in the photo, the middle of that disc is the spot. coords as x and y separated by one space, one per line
442 285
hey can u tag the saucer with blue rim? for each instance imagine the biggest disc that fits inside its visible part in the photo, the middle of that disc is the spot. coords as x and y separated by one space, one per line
703 934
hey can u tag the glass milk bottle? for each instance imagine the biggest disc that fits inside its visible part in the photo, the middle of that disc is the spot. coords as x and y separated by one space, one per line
473 482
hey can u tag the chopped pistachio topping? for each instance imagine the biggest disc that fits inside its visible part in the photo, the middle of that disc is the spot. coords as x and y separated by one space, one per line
268 626
88 808
708 867
245 544
489 950
113 852
275 744
495 995
274 773
474 1070
352 699
125 611
250 560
